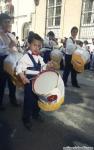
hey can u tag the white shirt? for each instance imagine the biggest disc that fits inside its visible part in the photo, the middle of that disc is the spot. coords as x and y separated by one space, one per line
49 43
25 62
4 43
90 47
70 46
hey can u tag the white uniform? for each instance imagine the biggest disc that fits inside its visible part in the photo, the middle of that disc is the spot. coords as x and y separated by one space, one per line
70 46
5 40
49 43
4 43
26 62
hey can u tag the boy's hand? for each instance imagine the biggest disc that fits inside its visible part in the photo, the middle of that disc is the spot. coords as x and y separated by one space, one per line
50 65
23 78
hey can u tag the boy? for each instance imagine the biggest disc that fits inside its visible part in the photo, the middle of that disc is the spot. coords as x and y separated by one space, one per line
6 45
70 48
28 67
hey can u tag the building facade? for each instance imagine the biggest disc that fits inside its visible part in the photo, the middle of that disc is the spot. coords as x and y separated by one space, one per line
59 16
87 20
22 12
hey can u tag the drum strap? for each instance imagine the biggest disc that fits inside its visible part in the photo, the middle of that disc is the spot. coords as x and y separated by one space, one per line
72 40
37 66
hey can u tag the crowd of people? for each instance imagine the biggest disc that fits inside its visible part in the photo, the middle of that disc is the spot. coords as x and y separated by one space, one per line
36 57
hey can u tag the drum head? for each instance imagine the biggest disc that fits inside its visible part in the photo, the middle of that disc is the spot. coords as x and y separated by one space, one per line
45 82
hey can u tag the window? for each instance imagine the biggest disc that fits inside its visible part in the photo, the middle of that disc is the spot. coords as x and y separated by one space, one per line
53 13
58 2
51 2
88 12
87 20
50 22
26 29
57 21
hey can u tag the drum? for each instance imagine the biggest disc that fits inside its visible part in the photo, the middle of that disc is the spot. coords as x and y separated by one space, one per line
79 58
10 63
49 86
56 57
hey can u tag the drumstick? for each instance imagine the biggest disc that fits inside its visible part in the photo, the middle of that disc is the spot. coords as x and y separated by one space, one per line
32 78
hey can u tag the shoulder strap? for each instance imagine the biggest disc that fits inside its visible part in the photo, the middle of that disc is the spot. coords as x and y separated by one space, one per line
72 40
37 66
32 59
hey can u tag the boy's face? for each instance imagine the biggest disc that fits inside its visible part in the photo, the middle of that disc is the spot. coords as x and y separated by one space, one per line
51 37
74 33
6 25
35 46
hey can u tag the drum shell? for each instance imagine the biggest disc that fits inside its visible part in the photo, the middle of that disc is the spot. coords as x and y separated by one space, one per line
56 57
84 54
10 65
79 58
58 90
17 80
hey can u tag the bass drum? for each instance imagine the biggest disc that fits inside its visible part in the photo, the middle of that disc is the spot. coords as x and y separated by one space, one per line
10 63
56 58
79 58
49 86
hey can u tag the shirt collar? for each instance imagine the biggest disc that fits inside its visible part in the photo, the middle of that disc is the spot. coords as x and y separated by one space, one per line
30 52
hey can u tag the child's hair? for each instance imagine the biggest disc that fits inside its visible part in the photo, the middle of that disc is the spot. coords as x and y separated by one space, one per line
74 28
79 42
33 37
51 33
4 16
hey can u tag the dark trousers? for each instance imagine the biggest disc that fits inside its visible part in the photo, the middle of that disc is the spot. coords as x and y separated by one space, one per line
30 107
46 56
69 68
4 78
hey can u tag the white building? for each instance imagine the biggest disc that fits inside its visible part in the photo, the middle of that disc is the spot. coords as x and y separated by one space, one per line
23 13
56 15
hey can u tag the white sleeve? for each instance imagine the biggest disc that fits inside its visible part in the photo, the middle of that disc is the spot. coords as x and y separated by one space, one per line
43 65
2 46
22 64
70 46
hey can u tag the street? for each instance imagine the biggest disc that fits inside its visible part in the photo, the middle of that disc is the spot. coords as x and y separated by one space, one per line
72 125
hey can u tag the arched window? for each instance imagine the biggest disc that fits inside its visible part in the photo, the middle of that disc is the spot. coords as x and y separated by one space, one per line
26 29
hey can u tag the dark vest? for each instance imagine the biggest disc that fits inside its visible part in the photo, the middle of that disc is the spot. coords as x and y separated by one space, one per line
36 67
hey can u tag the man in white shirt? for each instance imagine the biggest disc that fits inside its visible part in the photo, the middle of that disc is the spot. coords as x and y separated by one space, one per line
49 44
70 48
5 45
